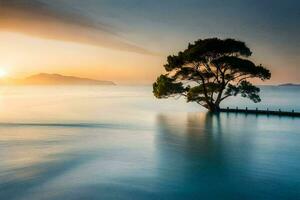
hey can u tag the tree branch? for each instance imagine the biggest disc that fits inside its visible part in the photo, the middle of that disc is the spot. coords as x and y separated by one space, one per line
225 97
203 83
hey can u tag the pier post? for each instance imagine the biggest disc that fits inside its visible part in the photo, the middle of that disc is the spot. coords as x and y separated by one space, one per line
256 111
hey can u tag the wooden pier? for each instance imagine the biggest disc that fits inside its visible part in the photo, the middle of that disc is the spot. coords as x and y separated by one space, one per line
278 112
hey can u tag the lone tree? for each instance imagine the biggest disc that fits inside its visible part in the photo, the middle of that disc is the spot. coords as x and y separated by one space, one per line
209 71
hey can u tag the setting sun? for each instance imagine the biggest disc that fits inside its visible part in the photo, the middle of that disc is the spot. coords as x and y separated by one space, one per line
3 73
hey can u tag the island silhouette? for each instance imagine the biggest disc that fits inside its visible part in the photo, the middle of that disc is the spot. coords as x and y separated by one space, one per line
55 79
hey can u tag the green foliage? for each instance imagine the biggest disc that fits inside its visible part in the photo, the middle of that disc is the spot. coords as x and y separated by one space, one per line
165 87
243 66
246 89
202 50
209 71
213 87
232 90
196 94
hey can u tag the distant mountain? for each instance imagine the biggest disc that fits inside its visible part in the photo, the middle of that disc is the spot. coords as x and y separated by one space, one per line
289 85
57 79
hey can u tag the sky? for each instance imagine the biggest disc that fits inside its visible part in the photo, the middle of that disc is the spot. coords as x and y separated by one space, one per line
127 41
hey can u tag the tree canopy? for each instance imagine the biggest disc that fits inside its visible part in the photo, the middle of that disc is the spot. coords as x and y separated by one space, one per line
209 71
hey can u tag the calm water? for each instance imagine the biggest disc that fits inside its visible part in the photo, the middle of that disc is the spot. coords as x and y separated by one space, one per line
121 143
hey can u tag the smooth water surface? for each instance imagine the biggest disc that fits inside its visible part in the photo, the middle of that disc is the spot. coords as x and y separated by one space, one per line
121 143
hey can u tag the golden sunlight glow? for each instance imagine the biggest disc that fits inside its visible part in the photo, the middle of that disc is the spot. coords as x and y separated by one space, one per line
23 56
3 73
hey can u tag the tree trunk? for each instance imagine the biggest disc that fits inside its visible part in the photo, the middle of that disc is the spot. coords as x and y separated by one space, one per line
214 108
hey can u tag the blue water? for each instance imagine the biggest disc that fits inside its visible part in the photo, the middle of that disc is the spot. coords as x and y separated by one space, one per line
121 143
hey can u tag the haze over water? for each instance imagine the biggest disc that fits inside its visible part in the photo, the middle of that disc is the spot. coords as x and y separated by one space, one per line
121 143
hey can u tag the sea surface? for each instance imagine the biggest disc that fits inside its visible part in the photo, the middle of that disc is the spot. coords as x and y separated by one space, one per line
119 142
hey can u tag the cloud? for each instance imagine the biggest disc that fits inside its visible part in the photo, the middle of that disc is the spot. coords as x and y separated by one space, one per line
54 20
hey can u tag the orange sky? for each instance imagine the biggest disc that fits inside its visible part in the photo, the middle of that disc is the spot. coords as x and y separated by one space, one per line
22 55
105 41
